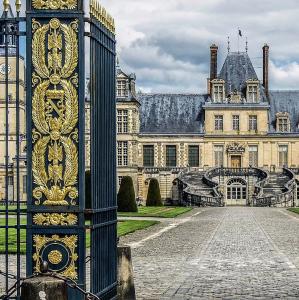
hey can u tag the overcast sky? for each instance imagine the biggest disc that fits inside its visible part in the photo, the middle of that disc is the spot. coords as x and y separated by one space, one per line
166 42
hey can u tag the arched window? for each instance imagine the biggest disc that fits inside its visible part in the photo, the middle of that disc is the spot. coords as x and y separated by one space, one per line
236 189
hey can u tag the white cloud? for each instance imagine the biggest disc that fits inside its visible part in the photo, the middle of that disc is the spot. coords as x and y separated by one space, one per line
166 43
285 76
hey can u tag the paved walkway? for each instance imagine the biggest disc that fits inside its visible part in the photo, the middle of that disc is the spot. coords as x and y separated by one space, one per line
220 253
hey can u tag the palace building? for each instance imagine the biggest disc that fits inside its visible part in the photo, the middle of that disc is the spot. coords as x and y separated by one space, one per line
13 83
237 144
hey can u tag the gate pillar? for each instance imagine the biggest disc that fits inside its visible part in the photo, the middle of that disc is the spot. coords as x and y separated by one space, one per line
55 137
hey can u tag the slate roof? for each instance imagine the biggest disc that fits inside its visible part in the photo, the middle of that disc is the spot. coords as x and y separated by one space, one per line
171 113
284 101
183 113
236 70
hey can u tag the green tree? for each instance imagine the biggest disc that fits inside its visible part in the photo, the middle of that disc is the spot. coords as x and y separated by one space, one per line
154 195
126 201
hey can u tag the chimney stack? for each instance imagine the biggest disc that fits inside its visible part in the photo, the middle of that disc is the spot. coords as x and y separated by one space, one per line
266 68
213 66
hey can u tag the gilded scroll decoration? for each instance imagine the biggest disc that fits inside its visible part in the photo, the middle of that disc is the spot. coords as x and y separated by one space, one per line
55 112
61 259
55 219
54 4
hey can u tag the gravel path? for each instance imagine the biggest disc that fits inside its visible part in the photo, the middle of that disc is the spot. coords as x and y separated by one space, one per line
221 253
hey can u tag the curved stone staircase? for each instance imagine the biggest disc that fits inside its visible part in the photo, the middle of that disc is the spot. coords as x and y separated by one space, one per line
278 190
271 189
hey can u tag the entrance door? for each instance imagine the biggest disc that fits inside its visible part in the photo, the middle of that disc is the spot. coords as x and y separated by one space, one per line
236 193
236 161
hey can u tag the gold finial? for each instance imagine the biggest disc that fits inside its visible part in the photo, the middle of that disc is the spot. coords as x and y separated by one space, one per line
18 5
98 10
91 7
6 5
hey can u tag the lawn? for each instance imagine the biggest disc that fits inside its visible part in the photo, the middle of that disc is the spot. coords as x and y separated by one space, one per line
123 228
294 209
156 211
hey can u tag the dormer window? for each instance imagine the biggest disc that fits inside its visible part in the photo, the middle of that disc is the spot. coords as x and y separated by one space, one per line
252 91
122 90
283 122
218 90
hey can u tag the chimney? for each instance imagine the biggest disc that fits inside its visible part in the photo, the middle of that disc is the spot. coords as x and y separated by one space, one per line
266 68
213 64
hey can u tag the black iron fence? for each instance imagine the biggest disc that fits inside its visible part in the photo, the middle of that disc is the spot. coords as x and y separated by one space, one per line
42 180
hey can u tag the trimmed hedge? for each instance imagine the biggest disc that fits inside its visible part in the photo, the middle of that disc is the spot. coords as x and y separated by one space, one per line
126 201
154 195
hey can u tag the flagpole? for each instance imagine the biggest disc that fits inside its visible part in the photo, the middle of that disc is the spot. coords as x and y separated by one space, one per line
238 40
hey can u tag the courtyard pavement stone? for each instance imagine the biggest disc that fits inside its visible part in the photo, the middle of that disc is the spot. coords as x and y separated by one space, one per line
220 253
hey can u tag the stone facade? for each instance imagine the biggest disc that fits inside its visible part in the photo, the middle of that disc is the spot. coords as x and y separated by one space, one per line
12 116
190 120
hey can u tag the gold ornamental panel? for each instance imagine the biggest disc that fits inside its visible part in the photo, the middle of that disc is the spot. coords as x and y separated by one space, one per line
55 219
59 252
55 112
54 4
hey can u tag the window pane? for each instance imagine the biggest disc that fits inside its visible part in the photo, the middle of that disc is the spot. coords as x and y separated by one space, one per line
218 122
148 155
283 155
218 153
253 156
170 156
193 156
236 125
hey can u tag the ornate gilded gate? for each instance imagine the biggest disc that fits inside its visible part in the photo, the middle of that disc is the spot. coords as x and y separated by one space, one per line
57 230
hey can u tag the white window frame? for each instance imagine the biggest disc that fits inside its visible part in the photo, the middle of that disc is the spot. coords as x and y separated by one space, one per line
283 153
122 153
218 122
236 122
283 124
122 121
121 88
252 93
253 155
218 155
252 122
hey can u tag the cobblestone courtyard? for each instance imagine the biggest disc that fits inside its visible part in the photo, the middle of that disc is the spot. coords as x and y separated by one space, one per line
219 253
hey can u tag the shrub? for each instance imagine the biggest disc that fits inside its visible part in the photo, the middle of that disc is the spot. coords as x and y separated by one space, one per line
126 201
153 195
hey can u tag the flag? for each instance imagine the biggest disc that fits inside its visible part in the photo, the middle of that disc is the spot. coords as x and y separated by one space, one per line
240 32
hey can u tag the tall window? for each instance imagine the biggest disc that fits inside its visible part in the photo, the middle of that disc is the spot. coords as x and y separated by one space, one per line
218 122
170 156
218 154
252 122
121 90
24 184
218 93
253 156
122 121
283 155
283 124
193 154
148 156
236 122
252 93
122 153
